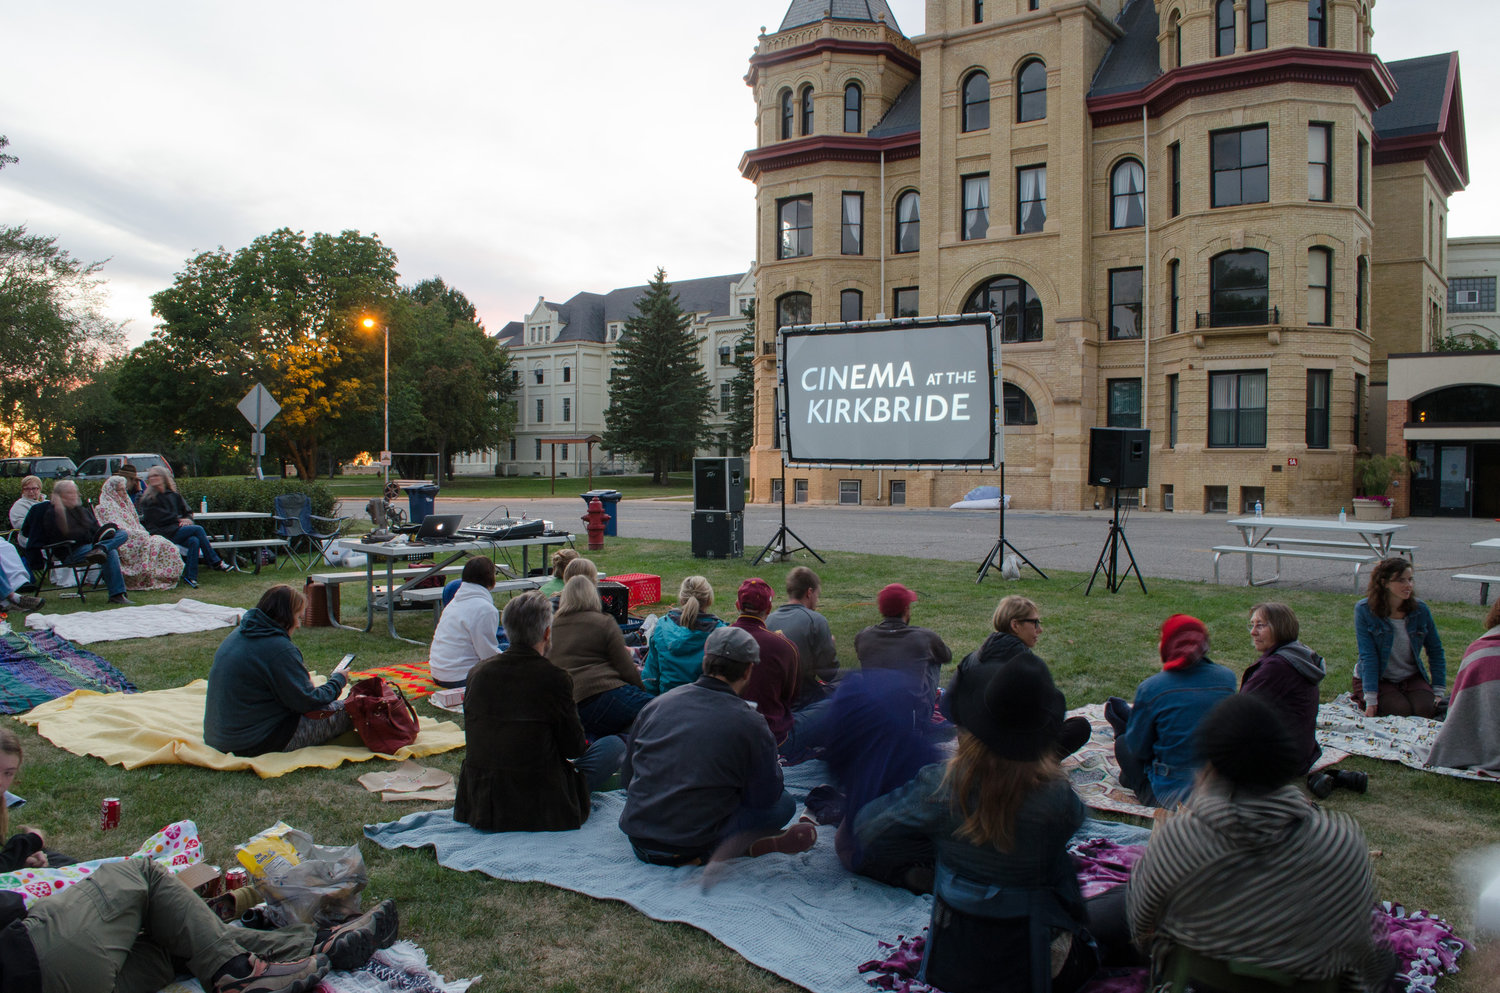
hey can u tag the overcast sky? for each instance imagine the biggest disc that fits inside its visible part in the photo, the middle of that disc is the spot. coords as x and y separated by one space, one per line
515 149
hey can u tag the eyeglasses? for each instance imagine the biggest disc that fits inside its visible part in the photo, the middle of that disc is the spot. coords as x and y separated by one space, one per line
1258 626
1031 620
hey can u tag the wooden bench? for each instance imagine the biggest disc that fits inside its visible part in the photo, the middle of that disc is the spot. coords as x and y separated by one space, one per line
434 594
1250 551
1407 550
255 544
1483 581
332 580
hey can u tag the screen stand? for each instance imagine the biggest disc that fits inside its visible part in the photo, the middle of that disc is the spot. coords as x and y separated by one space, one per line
1113 578
779 540
997 553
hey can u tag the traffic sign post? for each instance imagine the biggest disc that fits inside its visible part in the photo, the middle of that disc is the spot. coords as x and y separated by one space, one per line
259 408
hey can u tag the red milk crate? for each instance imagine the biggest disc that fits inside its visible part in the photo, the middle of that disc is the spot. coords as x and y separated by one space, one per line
644 588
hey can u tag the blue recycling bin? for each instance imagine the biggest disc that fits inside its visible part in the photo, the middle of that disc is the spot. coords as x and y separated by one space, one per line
422 498
611 500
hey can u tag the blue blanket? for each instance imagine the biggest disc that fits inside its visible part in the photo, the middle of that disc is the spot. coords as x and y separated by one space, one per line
804 917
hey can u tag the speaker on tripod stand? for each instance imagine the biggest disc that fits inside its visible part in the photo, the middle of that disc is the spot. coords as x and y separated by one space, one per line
1119 458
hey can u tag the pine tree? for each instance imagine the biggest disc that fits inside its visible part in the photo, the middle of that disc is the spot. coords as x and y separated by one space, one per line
659 397
742 388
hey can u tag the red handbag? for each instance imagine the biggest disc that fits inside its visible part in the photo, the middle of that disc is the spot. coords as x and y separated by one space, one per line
382 715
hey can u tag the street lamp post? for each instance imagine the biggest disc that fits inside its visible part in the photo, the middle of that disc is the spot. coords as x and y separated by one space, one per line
369 322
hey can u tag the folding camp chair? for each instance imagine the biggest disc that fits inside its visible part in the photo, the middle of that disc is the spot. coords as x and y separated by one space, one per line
294 519
43 559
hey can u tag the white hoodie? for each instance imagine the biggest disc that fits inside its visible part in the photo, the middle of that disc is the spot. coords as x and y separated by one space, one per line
466 633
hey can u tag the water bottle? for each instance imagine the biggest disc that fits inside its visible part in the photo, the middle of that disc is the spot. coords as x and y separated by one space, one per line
1343 517
1258 512
203 507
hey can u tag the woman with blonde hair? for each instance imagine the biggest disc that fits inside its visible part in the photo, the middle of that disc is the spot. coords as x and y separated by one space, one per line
675 655
165 512
148 561
579 566
587 644
560 560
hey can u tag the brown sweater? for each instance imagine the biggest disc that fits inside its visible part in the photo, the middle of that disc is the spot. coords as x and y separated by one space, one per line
588 646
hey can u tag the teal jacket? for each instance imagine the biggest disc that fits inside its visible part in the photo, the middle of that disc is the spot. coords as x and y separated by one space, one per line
258 688
675 656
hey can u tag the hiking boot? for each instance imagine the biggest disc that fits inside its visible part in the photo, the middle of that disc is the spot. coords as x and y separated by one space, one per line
350 944
122 600
797 838
276 977
24 602
1348 779
1320 785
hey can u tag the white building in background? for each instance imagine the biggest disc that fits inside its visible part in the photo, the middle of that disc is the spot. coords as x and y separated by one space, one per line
562 353
1473 312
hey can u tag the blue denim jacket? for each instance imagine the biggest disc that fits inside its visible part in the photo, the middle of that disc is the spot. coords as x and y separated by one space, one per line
1374 635
1164 719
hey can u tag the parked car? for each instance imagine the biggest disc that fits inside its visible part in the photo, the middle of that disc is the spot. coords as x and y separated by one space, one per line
104 466
45 466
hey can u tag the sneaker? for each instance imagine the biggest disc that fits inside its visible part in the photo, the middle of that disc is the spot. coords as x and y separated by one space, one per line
122 599
24 602
96 556
276 977
193 583
351 944
222 566
797 838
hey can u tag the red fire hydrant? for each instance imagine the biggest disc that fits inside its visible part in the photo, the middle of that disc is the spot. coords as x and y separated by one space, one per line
594 523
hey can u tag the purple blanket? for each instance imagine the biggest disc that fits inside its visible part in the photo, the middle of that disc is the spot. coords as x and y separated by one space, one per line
39 666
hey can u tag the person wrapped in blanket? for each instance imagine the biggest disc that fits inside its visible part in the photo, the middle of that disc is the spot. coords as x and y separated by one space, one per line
1250 885
1470 736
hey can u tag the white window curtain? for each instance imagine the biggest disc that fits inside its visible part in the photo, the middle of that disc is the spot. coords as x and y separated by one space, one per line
1033 199
1130 207
976 206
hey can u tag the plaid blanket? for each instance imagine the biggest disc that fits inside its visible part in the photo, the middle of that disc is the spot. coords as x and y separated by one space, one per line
414 678
39 666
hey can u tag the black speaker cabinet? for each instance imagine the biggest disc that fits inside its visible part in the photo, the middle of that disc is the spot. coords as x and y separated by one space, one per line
1120 457
616 600
719 484
718 535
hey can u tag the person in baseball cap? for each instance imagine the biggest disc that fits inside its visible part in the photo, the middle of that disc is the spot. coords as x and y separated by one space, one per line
773 684
898 645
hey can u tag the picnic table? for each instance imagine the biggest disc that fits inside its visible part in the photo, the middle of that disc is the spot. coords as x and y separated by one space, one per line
229 541
1483 579
1354 542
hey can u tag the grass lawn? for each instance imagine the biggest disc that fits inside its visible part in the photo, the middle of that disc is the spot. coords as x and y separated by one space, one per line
530 937
526 487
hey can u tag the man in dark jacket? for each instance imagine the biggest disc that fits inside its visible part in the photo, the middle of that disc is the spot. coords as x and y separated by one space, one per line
701 772
896 644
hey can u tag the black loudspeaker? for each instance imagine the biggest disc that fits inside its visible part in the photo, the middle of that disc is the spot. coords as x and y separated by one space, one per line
1120 457
616 600
719 484
718 535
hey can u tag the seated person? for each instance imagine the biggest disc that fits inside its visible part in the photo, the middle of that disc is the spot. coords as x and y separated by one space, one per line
165 512
701 775
130 924
469 630
1018 626
560 560
14 575
1249 873
895 643
31 495
527 766
773 680
994 823
260 695
133 487
799 620
1392 630
580 566
674 656
26 849
1154 737
1470 736
69 519
588 646
148 561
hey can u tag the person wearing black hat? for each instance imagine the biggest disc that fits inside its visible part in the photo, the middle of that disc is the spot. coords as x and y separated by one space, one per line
994 823
1249 878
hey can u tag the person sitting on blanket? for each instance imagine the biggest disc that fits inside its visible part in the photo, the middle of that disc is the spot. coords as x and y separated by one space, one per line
799 620
1470 735
588 646
560 560
1392 628
1154 737
469 630
127 926
69 519
895 643
773 680
527 765
674 656
31 495
260 696
1251 884
701 774
1287 675
1018 625
992 826
26 849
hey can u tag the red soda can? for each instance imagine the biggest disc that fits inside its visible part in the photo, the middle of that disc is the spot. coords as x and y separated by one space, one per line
235 878
109 813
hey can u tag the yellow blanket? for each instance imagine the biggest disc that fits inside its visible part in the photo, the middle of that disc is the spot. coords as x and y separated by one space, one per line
165 727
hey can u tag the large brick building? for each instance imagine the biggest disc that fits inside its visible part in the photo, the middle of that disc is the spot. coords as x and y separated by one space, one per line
1211 218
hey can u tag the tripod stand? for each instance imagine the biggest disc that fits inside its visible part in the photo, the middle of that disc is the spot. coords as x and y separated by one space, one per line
783 533
1113 578
993 559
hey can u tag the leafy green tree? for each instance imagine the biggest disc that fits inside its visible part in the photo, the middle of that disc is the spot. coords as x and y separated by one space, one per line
659 396
6 160
742 388
52 335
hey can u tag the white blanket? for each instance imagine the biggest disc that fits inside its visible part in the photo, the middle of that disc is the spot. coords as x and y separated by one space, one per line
183 617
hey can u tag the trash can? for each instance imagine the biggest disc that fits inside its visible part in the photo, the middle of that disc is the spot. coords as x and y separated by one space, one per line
611 500
422 497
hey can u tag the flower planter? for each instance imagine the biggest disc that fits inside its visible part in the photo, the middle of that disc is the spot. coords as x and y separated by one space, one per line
1366 509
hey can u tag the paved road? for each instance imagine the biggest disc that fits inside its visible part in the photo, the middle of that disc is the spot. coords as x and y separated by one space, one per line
1175 546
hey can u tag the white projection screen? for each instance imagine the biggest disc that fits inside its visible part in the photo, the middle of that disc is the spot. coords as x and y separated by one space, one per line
910 392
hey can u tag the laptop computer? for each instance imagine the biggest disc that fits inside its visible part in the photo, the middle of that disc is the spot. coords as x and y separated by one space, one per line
439 528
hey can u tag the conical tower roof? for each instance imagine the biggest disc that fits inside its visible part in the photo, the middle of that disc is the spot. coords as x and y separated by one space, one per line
811 12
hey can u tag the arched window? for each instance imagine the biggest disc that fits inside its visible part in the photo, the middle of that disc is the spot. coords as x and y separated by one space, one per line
976 102
1031 91
1020 312
1257 24
1174 31
1127 195
854 103
807 116
793 308
1224 27
1239 289
1458 405
786 114
1017 405
908 222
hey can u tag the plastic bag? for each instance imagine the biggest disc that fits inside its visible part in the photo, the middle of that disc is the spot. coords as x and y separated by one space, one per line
303 882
